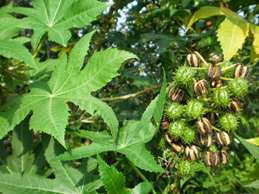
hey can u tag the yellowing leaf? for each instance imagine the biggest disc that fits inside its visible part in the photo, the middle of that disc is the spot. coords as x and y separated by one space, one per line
231 34
254 141
255 30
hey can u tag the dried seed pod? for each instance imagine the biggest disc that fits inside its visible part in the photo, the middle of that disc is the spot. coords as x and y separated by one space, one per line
204 126
204 140
207 158
215 58
192 152
213 117
241 71
176 94
164 123
201 87
167 138
225 138
214 159
193 60
214 73
234 106
219 139
223 157
217 83
176 147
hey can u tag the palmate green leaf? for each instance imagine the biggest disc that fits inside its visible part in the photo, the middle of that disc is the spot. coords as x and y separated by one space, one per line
31 184
4 168
254 184
5 11
48 100
9 28
56 17
77 179
113 180
231 34
253 149
12 49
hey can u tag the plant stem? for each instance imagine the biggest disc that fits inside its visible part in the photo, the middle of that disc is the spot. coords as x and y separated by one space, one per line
225 78
140 174
176 184
216 129
40 45
229 67
203 60
210 177
218 88
199 68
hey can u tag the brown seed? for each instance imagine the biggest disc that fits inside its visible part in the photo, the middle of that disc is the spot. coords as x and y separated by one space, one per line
214 73
214 159
217 83
223 157
204 126
241 71
176 147
204 140
167 138
192 152
215 58
234 106
201 87
213 117
193 60
225 138
218 139
176 94
207 158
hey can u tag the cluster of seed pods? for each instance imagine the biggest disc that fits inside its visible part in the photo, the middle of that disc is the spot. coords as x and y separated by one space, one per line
205 101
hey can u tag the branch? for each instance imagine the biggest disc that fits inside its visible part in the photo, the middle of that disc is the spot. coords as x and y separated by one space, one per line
134 94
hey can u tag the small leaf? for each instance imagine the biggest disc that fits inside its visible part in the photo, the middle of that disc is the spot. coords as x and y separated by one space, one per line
204 12
113 181
12 49
231 35
143 188
31 184
254 184
253 149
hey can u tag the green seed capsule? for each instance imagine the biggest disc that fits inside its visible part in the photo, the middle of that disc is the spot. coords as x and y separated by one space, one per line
176 129
189 135
194 108
221 97
184 75
228 122
185 169
238 86
174 110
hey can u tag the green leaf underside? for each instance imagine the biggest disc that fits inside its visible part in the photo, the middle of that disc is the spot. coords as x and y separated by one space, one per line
113 181
12 49
254 184
48 100
56 17
233 38
143 188
30 184
77 179
253 149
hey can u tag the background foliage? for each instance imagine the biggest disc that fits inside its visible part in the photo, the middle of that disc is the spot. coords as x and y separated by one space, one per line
139 39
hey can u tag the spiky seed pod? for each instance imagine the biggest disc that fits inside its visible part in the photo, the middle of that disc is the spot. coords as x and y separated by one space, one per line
228 72
223 157
207 158
213 117
201 87
189 135
213 73
238 86
162 143
214 159
175 147
184 75
217 84
219 139
221 97
204 140
174 110
204 126
194 108
215 58
241 71
193 60
225 138
176 94
176 129
234 106
228 122
164 123
185 168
